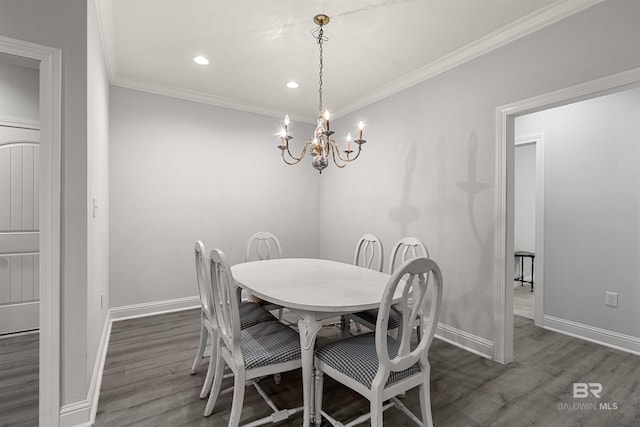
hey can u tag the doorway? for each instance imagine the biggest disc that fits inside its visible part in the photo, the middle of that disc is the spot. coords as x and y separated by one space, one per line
528 193
48 64
505 131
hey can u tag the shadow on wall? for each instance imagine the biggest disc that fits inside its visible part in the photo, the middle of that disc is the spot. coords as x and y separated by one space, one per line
471 186
480 292
405 214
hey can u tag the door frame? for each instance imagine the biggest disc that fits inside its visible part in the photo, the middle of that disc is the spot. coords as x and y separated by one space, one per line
50 215
504 130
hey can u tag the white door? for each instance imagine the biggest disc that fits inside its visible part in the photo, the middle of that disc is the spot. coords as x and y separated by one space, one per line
19 229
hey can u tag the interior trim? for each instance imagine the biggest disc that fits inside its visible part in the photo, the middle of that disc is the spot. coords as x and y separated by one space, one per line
459 338
520 28
505 115
153 308
600 336
50 217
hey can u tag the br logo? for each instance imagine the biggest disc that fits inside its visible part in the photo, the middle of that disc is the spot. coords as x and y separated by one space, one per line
583 390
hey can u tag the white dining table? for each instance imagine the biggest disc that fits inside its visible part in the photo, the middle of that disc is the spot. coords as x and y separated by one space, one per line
313 289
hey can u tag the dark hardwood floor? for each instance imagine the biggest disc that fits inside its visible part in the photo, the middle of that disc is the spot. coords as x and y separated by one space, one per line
147 383
19 380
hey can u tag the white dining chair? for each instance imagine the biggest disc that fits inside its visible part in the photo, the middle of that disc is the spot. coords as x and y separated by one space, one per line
369 253
405 249
376 365
260 246
252 353
250 314
207 318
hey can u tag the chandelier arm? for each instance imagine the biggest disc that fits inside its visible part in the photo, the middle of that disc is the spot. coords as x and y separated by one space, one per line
333 147
297 159
349 160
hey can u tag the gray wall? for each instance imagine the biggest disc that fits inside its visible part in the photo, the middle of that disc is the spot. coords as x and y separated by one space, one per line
429 168
524 198
62 24
592 210
182 171
18 90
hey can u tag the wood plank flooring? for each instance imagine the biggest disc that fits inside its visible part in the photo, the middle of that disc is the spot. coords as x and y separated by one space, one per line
147 383
19 380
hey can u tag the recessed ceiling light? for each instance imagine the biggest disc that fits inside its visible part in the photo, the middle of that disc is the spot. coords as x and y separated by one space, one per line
292 85
200 60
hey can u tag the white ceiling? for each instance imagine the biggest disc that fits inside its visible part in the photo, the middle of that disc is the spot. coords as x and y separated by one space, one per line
374 48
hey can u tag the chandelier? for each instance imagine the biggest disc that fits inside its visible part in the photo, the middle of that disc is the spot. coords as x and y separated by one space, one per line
321 146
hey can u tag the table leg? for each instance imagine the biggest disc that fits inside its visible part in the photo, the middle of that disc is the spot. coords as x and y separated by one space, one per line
309 328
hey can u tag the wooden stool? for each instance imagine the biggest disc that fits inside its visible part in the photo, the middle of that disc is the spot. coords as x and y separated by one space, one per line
520 256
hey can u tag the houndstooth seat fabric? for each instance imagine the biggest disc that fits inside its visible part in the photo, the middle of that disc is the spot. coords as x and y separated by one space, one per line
371 316
269 343
356 357
252 313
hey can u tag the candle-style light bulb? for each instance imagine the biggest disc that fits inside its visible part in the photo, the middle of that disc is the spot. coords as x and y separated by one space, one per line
283 137
286 125
360 127
349 141
326 118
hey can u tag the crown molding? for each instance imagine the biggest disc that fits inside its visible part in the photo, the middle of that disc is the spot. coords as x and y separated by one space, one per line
104 9
529 24
520 28
191 95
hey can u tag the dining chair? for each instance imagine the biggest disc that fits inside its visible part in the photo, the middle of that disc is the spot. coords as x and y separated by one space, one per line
252 353
376 365
261 246
404 250
250 314
370 254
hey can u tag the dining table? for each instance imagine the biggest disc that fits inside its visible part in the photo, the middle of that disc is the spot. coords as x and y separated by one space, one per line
314 290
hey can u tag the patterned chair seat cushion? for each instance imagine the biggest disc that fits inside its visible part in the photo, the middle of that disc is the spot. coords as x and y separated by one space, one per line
268 343
252 313
371 316
356 357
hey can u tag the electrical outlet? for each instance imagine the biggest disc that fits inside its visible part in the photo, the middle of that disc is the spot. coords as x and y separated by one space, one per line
611 299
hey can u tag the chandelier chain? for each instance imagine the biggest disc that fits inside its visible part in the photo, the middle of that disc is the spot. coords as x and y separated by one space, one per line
320 40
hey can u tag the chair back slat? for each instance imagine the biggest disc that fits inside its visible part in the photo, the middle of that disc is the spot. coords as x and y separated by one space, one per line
406 249
204 284
226 300
262 245
369 252
412 275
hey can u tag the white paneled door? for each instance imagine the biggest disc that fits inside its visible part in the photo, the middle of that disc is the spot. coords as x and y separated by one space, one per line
19 229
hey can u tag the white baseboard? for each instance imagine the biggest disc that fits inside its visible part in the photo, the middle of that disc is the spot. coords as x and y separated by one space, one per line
152 308
75 414
604 337
83 413
96 380
465 340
